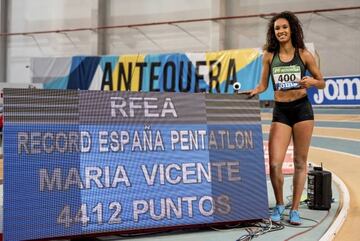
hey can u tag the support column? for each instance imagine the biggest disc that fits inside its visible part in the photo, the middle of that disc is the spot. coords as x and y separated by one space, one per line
217 28
98 18
3 39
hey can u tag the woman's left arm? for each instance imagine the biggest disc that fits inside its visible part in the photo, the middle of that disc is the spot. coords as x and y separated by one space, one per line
317 79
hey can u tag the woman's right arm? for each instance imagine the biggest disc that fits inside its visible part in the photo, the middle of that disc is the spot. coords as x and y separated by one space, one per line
264 80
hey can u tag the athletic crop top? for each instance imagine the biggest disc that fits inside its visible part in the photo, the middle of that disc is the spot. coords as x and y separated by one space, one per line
286 75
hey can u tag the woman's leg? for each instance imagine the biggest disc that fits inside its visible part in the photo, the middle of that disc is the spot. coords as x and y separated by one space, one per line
302 132
279 139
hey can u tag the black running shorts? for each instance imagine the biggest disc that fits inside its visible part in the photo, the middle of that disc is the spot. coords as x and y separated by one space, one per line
292 112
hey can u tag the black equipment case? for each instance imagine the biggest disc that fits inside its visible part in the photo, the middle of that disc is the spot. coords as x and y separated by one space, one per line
319 192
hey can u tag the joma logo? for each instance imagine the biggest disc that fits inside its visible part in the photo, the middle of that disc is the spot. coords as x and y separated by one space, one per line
339 89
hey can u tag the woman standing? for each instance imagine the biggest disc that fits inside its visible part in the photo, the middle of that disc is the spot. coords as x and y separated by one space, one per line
286 59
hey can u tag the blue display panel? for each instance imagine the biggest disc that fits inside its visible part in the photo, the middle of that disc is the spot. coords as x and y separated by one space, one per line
84 162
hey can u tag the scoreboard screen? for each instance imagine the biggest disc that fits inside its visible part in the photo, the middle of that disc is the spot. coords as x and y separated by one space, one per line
82 162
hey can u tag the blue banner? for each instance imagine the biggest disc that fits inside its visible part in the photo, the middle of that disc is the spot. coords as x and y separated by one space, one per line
212 72
85 162
339 91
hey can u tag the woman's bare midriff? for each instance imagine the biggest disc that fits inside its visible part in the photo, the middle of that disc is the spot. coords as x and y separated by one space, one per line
289 95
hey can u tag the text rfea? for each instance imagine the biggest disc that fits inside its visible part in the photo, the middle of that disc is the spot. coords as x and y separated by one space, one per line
147 107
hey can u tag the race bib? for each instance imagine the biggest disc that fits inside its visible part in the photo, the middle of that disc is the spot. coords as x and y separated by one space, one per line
287 77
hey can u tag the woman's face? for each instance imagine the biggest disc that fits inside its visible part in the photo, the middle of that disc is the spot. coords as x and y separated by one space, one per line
282 30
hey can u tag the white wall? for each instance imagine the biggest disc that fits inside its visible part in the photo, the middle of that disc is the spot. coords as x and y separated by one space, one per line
39 15
335 34
161 38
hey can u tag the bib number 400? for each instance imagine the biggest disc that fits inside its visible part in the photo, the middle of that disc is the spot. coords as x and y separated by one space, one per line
287 77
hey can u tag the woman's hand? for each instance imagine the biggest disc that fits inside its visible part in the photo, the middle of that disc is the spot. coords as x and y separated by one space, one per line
307 82
250 93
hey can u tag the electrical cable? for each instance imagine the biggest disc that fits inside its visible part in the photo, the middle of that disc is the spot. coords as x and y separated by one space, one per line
260 228
298 234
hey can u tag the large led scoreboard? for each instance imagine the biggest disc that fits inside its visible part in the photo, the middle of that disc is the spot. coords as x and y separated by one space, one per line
82 162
